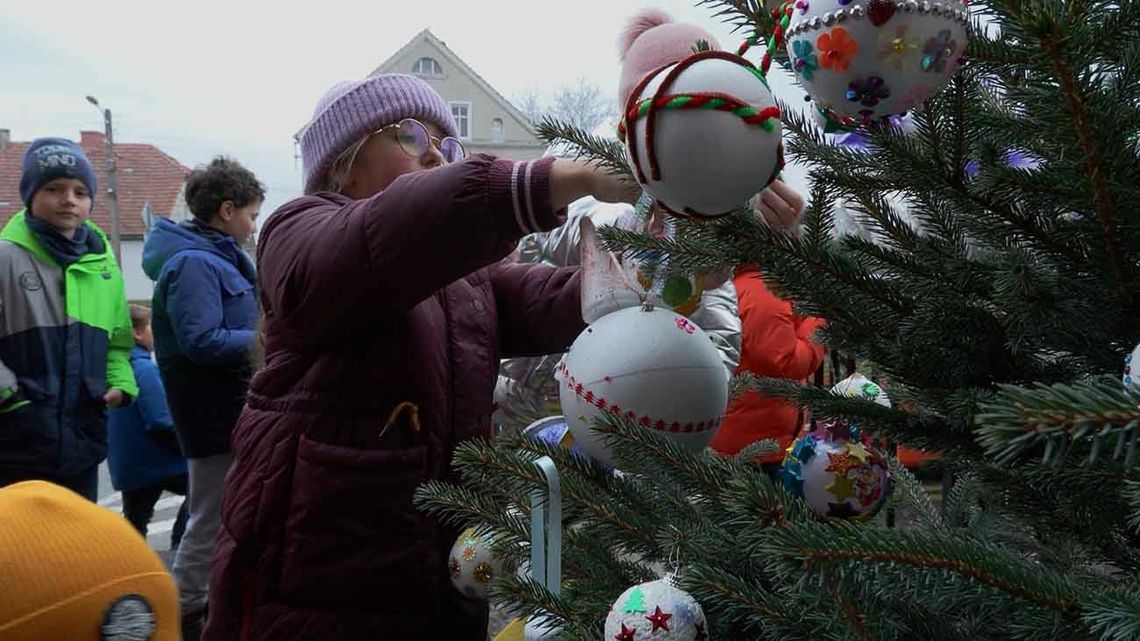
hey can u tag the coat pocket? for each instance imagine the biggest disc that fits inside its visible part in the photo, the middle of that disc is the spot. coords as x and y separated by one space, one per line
352 539
239 307
29 436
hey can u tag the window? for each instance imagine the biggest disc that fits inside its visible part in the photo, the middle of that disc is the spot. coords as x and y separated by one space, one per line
461 111
497 130
427 67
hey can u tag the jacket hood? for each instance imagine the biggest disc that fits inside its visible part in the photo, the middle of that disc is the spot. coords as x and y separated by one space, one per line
168 239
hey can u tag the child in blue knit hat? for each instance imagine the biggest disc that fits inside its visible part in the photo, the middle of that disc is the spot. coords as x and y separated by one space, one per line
65 336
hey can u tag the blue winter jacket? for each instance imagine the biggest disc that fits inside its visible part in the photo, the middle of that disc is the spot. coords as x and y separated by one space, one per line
136 460
204 318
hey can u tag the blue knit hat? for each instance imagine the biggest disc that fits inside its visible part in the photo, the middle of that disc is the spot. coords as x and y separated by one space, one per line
50 158
351 110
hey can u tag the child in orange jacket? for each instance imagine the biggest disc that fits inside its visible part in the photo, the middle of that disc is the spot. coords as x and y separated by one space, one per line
775 342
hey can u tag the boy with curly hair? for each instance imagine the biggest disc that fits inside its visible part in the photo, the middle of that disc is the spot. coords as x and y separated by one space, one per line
204 321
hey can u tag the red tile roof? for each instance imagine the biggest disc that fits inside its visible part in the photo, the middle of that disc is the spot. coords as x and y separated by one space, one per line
146 174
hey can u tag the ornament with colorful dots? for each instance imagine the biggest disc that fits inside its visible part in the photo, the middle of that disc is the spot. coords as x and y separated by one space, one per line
863 60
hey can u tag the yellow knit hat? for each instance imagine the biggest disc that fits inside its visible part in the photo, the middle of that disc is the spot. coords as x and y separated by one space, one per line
72 570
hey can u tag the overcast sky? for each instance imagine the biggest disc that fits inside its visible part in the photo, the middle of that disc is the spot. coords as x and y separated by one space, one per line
238 77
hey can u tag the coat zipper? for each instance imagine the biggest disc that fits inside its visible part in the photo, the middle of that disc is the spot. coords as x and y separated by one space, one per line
62 399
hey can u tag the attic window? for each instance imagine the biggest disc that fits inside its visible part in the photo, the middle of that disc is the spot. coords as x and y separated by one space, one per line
497 130
427 67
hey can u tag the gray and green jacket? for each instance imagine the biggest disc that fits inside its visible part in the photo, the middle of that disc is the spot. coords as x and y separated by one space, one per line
65 339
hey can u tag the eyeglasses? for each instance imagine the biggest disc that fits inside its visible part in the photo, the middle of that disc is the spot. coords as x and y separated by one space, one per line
414 139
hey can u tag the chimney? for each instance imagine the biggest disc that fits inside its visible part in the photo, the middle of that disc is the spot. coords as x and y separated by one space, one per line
89 139
5 138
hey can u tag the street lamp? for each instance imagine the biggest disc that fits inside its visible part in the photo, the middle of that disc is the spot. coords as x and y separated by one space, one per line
112 179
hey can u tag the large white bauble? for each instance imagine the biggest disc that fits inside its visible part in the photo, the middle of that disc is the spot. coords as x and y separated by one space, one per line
656 610
866 59
471 565
651 365
704 162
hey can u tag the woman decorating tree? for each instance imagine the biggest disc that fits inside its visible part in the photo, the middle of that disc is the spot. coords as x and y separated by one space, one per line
387 306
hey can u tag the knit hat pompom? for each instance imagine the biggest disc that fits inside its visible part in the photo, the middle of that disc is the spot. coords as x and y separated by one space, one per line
652 40
638 25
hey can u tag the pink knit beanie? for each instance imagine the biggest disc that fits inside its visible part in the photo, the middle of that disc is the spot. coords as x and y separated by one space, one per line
652 40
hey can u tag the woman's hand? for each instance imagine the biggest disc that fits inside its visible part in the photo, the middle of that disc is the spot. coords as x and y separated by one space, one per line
574 179
614 188
780 207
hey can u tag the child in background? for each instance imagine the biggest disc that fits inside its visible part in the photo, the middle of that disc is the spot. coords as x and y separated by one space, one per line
64 330
143 453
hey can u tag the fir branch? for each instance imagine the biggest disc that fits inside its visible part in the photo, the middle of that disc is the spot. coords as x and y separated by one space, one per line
756 503
1094 165
531 600
909 493
1064 420
634 444
1115 616
683 251
814 548
929 433
1132 494
743 15
760 612
464 507
758 450
607 152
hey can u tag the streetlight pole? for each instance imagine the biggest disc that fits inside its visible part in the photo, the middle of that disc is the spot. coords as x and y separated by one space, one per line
112 179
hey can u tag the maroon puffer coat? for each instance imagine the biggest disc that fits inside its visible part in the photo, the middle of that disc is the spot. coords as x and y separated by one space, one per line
369 305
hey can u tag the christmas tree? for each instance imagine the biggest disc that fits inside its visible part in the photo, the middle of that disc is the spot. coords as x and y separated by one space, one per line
996 301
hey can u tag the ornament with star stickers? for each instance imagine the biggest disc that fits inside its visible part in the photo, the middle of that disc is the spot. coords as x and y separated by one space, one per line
656 610
864 60
471 565
838 476
835 467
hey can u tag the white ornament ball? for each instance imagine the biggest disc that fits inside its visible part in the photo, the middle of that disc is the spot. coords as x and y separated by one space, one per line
1131 362
471 565
704 162
650 365
859 386
656 610
865 59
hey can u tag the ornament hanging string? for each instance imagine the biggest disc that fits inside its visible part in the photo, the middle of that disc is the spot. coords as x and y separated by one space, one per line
783 18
